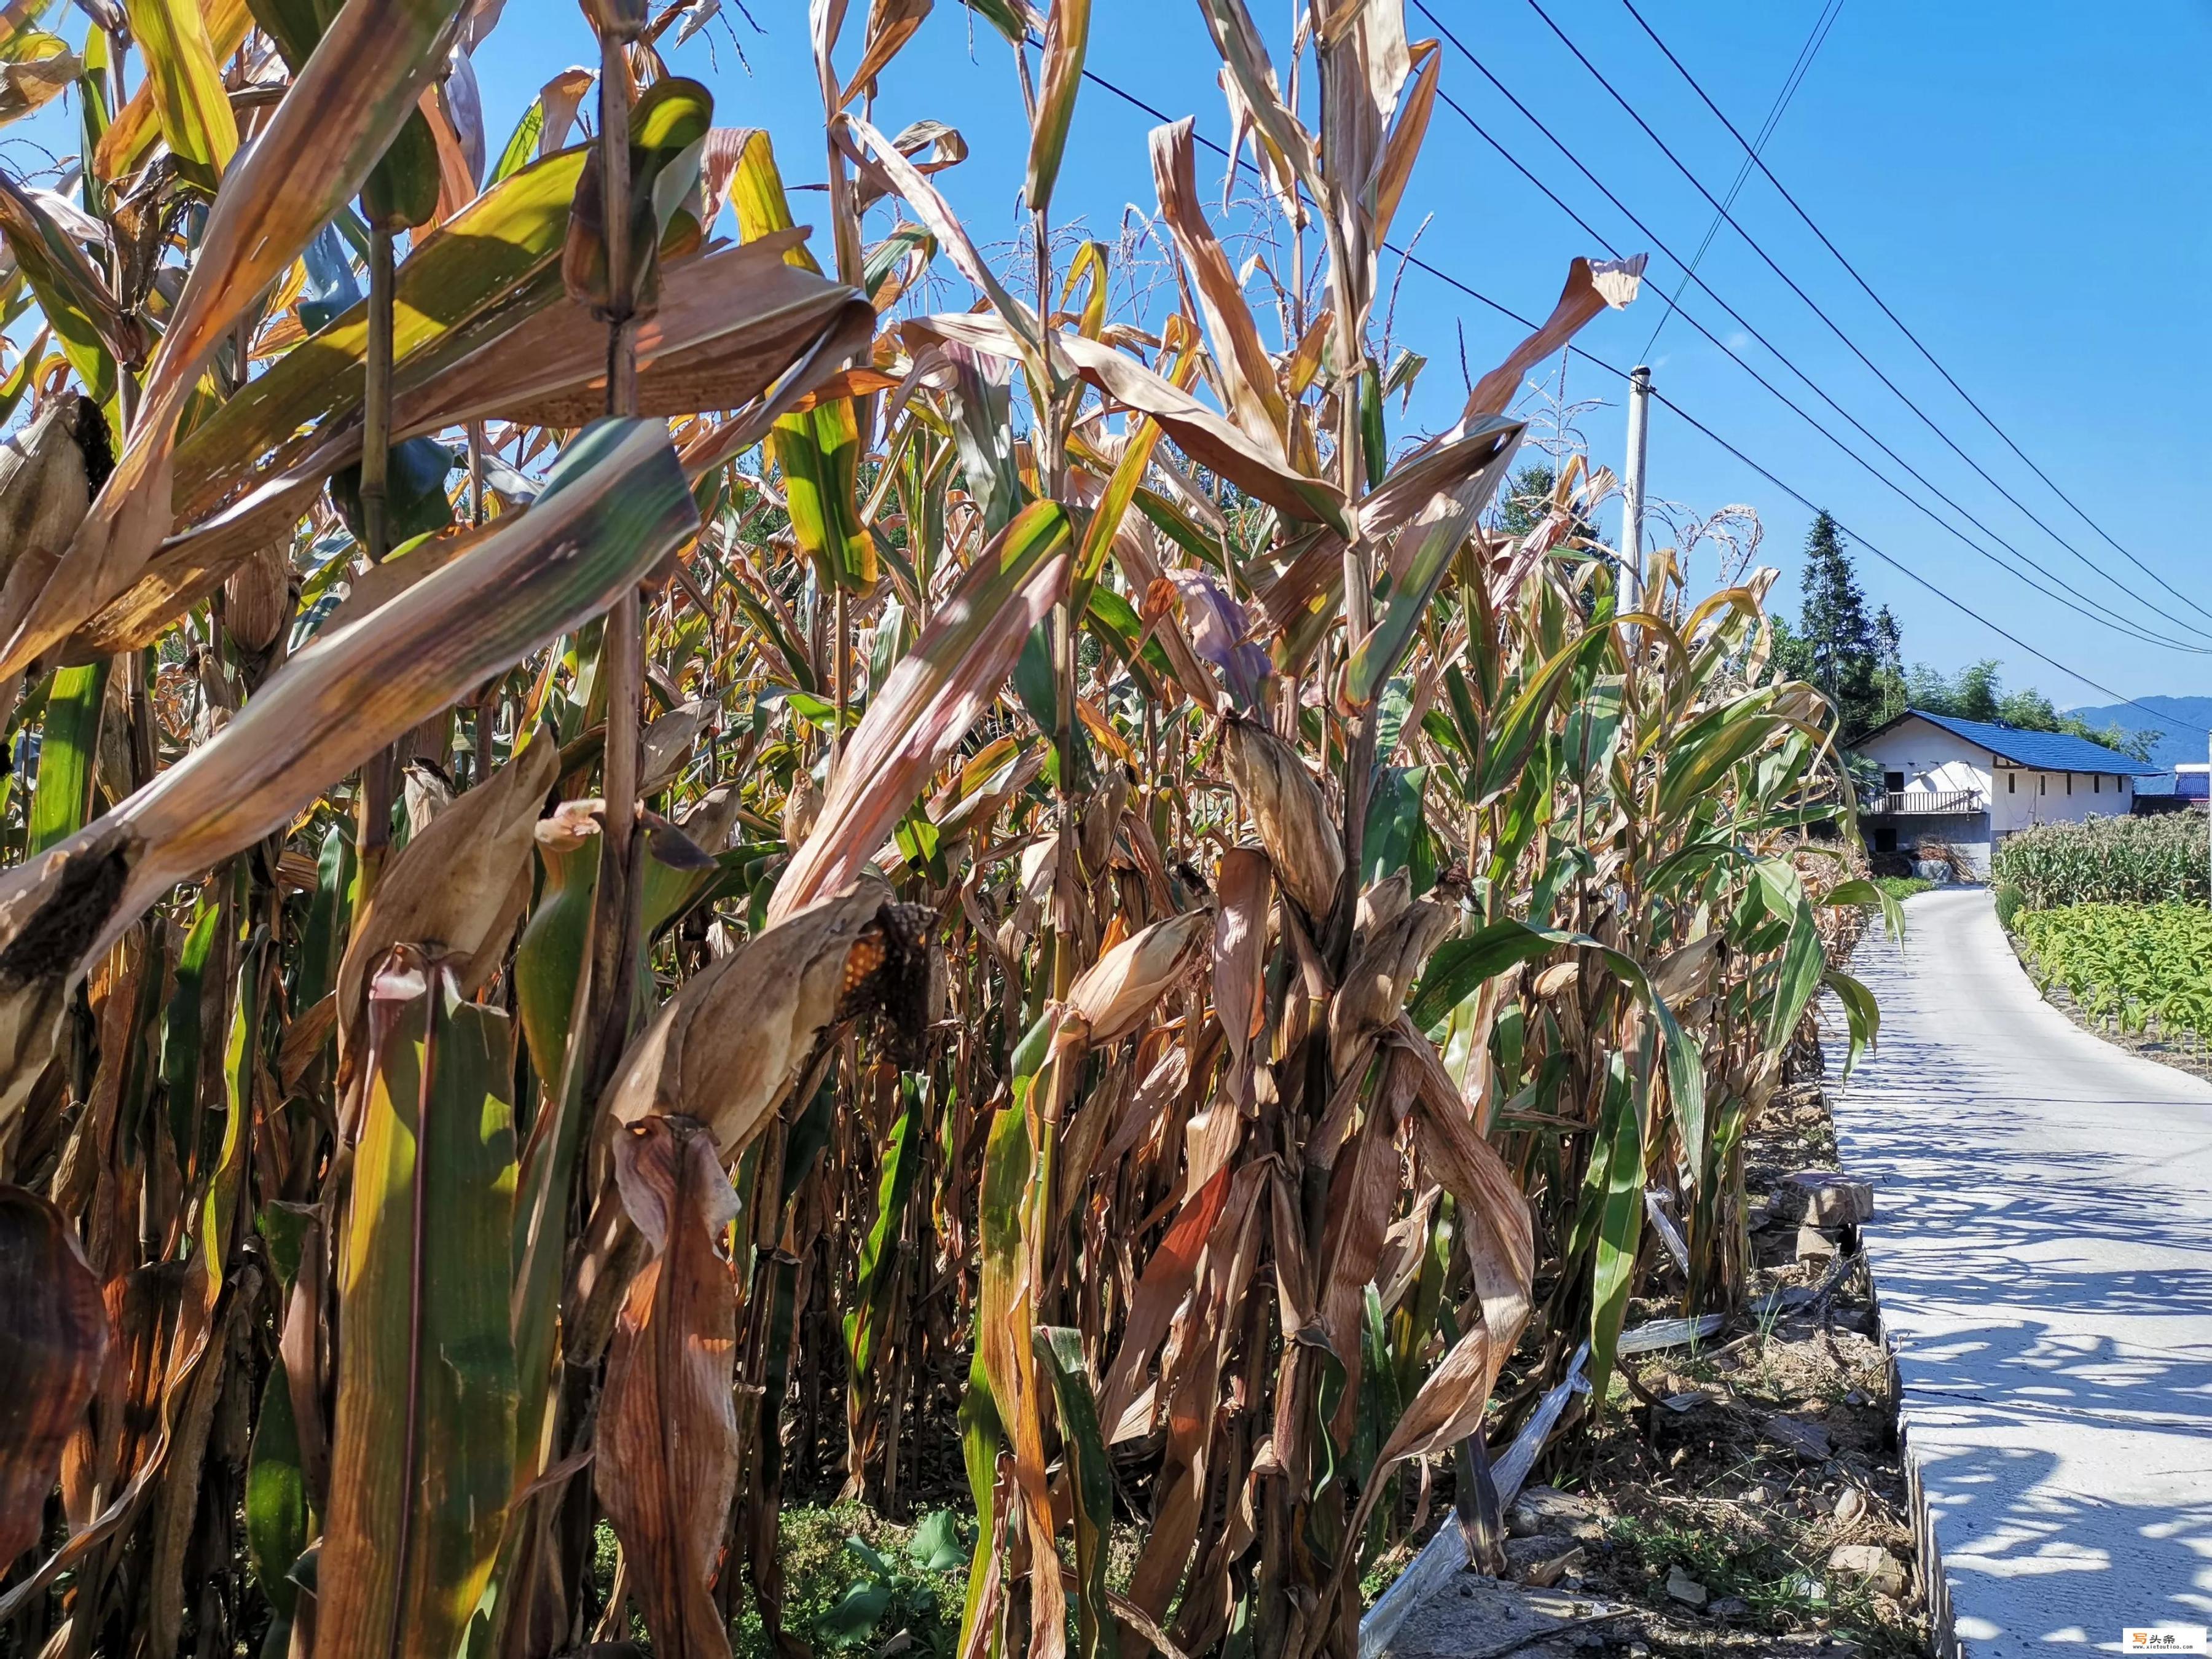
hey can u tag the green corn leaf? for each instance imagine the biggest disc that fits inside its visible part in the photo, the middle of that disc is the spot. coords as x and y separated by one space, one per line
90 327
668 129
1066 37
1803 961
1397 837
423 1454
500 250
186 78
401 191
322 942
1618 1179
181 1031
1460 966
1861 1014
69 752
1859 890
1522 722
875 1277
1059 1350
415 502
276 1497
818 450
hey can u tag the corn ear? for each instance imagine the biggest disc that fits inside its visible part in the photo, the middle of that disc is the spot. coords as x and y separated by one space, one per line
737 1038
1288 810
1113 996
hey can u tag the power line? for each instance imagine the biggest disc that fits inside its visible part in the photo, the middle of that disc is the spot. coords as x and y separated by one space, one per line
2106 614
1511 315
1756 160
1833 327
2108 617
1806 53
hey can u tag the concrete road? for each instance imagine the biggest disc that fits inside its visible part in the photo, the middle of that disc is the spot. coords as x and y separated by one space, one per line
2042 1249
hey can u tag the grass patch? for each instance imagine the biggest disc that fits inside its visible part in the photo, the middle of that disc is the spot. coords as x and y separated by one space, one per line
1903 887
842 1596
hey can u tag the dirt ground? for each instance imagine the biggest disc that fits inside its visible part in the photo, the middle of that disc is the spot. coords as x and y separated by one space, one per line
1715 1506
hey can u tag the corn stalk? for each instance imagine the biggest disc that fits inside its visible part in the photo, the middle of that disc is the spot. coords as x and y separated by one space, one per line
1153 929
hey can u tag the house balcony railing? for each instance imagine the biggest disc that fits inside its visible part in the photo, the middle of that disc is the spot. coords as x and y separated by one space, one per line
1920 803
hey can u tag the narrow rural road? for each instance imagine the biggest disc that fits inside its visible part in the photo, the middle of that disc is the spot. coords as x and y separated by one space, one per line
2042 1249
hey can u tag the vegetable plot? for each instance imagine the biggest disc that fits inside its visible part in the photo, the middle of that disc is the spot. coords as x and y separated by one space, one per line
2136 967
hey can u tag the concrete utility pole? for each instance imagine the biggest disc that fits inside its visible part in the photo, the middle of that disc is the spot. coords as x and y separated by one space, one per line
1632 488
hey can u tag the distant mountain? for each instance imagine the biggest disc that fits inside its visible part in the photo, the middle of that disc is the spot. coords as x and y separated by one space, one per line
2173 744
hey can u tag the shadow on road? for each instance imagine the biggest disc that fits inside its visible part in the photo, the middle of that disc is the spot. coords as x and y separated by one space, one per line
2043 1254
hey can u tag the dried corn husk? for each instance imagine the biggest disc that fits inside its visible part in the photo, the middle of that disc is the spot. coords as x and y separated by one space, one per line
740 1037
56 1331
801 807
45 489
1555 979
1101 816
1380 903
1287 807
1381 975
457 890
666 744
668 1435
257 600
1113 996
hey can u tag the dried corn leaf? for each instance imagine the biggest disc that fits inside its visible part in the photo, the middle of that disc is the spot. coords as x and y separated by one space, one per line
56 1334
667 1465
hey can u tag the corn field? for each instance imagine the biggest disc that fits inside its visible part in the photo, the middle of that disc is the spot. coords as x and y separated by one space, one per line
2129 861
885 887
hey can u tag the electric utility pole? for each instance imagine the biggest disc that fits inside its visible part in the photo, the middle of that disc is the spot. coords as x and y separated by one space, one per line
1632 491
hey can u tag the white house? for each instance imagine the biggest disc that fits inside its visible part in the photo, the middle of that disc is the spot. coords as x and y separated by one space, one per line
1971 783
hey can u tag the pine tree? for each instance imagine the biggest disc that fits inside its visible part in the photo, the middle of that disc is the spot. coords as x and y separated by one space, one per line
1843 644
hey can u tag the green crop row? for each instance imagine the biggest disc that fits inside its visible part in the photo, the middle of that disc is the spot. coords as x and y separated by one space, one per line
2105 861
2133 965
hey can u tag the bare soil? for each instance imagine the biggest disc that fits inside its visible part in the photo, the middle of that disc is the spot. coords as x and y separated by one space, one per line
1712 1497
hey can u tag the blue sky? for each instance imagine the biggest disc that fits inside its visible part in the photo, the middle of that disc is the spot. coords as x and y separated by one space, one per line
2025 187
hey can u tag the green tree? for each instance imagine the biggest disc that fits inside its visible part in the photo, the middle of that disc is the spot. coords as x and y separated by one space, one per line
1528 497
1843 645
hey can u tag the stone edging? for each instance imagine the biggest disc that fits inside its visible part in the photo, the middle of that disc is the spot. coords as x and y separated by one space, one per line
1943 1640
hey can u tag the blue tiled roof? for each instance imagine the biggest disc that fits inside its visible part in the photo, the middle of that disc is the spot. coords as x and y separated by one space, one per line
2041 751
2180 786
